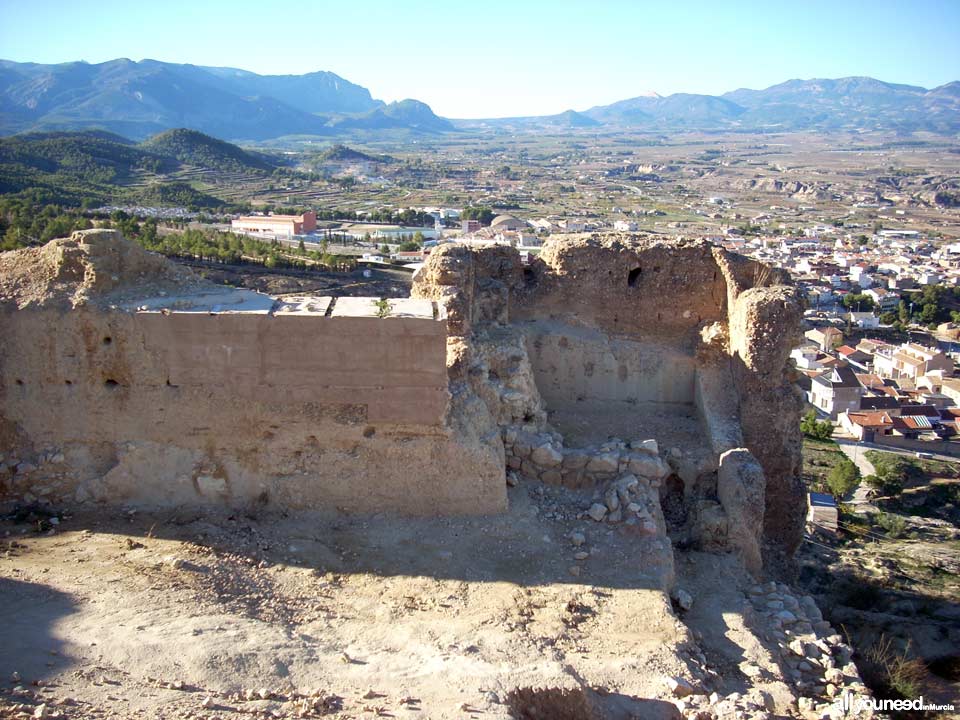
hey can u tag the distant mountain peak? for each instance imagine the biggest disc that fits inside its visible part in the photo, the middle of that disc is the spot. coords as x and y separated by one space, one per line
140 99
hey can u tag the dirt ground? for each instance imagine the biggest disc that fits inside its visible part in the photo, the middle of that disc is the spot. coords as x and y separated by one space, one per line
175 614
590 422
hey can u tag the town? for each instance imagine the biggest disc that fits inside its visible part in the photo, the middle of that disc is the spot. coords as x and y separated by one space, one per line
556 398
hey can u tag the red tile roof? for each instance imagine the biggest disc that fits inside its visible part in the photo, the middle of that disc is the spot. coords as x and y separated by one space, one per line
871 419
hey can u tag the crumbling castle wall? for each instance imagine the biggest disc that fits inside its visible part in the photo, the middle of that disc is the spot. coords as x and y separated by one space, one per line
630 338
210 395
625 364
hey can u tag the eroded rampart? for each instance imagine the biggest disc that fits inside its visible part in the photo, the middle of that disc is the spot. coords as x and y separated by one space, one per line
650 373
602 344
208 395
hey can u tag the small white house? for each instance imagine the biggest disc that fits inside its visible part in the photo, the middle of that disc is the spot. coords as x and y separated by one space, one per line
864 319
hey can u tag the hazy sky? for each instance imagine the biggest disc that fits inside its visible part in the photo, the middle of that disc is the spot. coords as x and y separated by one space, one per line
500 57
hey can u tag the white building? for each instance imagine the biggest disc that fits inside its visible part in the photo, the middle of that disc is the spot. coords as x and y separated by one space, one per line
866 320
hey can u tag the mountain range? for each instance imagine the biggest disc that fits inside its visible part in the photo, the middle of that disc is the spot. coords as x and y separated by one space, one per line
139 99
854 103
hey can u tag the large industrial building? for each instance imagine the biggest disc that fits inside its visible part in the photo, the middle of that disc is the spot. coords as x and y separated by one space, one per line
276 224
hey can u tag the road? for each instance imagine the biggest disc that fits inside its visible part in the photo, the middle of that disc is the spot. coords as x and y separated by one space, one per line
895 450
856 451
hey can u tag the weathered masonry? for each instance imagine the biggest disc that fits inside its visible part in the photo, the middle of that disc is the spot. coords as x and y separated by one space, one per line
206 394
605 343
651 373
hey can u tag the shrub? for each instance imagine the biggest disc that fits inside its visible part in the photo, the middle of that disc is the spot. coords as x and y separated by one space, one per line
815 429
893 525
383 307
843 478
892 472
896 670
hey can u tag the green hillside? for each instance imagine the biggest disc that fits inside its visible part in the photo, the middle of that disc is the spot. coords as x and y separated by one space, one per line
177 168
69 167
194 148
177 194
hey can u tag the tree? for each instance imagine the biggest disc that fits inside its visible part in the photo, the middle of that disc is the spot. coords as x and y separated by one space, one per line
815 429
888 318
903 313
892 472
483 214
861 302
843 478
928 314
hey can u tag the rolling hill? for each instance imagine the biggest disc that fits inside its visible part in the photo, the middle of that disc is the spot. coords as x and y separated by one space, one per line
405 114
195 148
72 167
344 154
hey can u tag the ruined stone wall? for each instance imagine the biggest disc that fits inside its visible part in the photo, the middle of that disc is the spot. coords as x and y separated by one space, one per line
603 357
662 330
104 401
571 361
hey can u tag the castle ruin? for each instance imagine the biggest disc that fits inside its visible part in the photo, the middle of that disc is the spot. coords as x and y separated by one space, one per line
652 373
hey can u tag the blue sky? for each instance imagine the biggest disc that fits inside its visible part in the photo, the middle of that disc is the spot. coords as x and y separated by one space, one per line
499 58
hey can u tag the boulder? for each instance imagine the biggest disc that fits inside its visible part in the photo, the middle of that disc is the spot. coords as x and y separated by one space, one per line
546 456
649 466
608 462
597 511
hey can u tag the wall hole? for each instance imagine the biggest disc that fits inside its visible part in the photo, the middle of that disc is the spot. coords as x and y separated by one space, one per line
19 381
111 384
369 432
68 382
529 277
673 503
107 340
634 276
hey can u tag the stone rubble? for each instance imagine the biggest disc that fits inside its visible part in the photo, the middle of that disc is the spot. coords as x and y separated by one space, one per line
542 456
812 656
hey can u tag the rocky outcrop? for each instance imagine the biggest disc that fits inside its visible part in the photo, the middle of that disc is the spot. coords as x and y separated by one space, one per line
89 266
